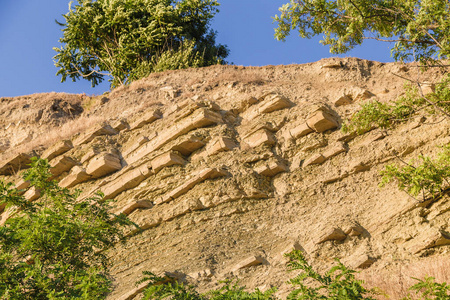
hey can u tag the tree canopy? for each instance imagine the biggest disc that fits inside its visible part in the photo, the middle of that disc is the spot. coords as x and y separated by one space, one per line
127 39
419 29
51 248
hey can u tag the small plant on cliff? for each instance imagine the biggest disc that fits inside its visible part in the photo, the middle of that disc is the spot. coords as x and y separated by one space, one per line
162 289
128 39
430 290
51 248
429 178
339 283
385 115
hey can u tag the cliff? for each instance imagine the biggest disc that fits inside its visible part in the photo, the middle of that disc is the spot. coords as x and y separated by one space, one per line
226 168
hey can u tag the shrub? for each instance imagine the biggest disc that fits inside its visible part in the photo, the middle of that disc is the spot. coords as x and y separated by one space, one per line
385 115
429 178
339 283
51 248
431 290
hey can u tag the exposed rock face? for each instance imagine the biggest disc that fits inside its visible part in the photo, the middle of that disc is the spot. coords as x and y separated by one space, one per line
222 188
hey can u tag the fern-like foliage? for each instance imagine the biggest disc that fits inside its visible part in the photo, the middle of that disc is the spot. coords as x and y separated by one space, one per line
339 283
428 178
430 289
375 114
165 288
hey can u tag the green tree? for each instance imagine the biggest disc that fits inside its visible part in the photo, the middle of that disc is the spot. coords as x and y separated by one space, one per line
125 39
419 29
51 248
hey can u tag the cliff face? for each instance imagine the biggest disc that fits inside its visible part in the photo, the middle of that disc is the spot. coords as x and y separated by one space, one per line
226 168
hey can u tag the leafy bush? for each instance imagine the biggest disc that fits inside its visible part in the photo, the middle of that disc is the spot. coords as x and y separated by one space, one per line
431 290
339 283
384 115
162 289
431 177
49 249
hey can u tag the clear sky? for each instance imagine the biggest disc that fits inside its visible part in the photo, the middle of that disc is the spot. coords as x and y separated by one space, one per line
28 33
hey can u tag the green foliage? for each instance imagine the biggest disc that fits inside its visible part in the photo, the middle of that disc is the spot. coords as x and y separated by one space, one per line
232 291
162 289
431 290
125 39
384 115
430 177
420 29
50 248
159 288
183 58
339 283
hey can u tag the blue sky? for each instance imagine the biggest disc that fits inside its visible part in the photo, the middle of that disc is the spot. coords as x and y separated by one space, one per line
28 33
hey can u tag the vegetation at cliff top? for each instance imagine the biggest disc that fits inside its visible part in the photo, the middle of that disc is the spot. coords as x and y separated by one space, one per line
127 40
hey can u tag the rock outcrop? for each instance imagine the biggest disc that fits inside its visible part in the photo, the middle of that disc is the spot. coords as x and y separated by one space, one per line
224 174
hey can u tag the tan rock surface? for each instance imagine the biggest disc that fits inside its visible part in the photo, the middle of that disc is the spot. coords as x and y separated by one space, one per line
213 213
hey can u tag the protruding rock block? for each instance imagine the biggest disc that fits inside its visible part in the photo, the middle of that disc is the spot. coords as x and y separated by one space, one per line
7 214
90 154
120 125
165 160
343 100
430 239
271 168
137 143
32 194
262 136
321 121
208 173
200 118
270 104
22 184
103 164
274 103
248 262
220 144
334 234
147 118
291 247
18 162
332 65
97 130
126 181
361 94
76 176
362 261
297 132
132 206
316 159
353 229
57 149
186 147
334 150
61 164
244 104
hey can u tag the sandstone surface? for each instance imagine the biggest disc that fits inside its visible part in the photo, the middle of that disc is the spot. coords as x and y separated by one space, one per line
230 166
